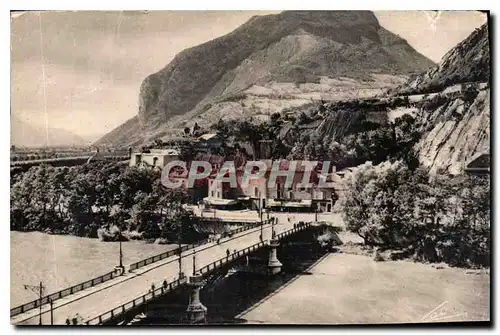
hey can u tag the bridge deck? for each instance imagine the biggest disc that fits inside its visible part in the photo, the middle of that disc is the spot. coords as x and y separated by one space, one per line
100 299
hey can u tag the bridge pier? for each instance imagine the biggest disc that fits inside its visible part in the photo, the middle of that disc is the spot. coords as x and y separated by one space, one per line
196 311
274 265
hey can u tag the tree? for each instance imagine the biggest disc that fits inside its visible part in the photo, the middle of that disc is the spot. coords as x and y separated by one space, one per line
434 217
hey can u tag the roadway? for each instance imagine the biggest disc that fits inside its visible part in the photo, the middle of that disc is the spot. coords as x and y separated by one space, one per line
97 300
247 215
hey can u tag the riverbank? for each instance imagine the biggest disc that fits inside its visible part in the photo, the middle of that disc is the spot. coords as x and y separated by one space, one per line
60 261
355 289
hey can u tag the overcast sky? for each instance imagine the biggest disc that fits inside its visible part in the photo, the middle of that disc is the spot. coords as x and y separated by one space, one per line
94 62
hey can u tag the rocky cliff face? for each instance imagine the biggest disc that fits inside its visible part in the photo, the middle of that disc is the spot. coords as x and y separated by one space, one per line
290 47
468 61
458 125
458 129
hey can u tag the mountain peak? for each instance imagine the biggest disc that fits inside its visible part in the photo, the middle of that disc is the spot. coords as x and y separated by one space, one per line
340 43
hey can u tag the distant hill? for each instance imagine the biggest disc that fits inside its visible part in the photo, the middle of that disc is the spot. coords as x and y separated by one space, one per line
297 47
24 134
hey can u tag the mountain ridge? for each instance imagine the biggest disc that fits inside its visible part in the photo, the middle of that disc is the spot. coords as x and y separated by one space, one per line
26 134
332 44
468 61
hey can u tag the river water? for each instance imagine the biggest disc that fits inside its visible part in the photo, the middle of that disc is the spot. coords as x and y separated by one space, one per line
60 261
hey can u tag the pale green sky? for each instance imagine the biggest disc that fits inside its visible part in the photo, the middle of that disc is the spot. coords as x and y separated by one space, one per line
94 62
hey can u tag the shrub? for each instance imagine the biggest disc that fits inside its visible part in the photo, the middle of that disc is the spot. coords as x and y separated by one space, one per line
132 235
470 93
110 234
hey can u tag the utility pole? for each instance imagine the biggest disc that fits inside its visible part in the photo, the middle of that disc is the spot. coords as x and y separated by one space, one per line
35 288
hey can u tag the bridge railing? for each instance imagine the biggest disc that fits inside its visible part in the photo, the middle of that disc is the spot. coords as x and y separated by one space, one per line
119 311
63 293
243 252
143 299
299 227
223 261
159 257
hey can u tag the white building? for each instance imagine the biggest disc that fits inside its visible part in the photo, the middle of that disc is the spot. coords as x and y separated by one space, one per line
154 157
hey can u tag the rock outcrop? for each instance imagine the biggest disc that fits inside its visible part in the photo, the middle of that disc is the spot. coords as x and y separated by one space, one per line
458 126
458 130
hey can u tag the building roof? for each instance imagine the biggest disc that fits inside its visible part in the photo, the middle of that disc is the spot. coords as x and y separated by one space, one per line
219 201
169 152
296 203
207 137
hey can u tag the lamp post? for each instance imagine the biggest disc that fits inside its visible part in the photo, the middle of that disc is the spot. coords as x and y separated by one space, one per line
261 232
121 255
273 233
260 206
194 262
179 239
261 223
40 289
51 312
